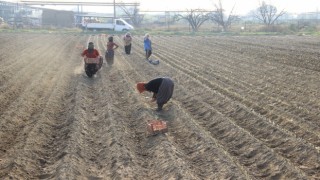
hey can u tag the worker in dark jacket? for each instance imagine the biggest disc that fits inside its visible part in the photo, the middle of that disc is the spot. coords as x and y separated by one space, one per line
162 89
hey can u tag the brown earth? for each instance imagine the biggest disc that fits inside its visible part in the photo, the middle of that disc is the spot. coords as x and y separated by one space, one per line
243 108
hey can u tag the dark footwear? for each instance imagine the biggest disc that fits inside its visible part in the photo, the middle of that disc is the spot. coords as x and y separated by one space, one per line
159 107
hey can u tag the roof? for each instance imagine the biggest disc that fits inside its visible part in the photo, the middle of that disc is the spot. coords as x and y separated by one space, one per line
94 15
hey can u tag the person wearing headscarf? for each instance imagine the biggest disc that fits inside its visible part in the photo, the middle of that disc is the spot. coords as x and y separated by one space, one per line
127 42
147 46
111 46
162 89
91 52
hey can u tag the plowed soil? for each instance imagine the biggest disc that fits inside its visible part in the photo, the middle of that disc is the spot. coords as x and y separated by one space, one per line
243 108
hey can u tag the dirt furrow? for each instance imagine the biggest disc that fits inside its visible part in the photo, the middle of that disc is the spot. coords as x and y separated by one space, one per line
76 158
26 102
11 90
261 68
314 163
17 57
24 146
300 126
156 153
237 112
195 153
195 107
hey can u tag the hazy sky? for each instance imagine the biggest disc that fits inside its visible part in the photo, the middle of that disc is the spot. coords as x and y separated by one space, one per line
241 6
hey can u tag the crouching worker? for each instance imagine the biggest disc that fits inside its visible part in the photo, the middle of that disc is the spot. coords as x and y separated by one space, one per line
91 52
162 89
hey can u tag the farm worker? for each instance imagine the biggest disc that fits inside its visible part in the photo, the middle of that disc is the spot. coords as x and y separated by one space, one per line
147 46
162 89
127 42
111 46
91 52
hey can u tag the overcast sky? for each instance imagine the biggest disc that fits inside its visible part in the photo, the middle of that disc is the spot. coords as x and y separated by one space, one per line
241 6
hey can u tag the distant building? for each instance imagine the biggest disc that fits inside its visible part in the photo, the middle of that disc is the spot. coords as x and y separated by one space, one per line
21 15
7 10
57 18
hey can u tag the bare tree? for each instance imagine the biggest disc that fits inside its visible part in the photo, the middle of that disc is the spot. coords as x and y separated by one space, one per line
195 17
219 17
133 14
267 13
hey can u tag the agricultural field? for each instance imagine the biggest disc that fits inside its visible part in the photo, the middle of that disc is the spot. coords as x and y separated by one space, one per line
244 107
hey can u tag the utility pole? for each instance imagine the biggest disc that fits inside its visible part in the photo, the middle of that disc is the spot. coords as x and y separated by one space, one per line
114 9
167 16
317 18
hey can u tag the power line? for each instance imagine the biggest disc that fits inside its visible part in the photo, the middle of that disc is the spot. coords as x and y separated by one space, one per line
87 3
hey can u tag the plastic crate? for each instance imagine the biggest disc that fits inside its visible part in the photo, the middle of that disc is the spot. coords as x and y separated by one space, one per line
157 126
91 60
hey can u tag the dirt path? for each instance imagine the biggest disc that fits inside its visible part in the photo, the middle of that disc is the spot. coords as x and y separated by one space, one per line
243 108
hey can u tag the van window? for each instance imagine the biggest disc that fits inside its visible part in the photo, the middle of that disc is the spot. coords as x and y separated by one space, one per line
119 23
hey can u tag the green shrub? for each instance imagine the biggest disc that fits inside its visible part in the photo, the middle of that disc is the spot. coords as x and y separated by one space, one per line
293 27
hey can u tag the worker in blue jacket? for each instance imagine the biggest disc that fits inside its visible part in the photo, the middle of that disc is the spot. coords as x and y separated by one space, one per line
147 46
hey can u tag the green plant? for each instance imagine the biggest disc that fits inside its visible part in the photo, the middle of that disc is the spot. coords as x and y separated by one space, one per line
293 27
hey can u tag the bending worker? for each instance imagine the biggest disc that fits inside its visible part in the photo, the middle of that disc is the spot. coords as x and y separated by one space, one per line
162 89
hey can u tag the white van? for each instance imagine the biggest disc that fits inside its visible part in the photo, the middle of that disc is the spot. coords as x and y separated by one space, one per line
116 25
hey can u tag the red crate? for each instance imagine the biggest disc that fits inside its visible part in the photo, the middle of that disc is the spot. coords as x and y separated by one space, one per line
157 126
91 60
